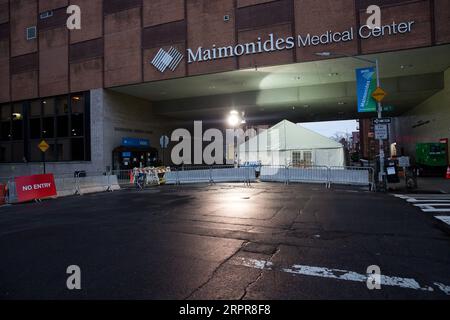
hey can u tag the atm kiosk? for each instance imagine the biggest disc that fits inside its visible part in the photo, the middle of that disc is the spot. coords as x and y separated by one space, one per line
135 153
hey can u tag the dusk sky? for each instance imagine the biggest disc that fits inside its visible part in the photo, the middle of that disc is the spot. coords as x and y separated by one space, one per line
329 128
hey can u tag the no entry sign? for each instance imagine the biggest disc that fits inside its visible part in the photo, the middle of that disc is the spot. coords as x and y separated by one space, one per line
35 187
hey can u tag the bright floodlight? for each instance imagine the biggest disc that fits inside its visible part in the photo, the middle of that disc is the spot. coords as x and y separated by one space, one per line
234 119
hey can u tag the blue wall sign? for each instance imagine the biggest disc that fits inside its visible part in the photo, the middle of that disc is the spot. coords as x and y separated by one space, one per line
135 142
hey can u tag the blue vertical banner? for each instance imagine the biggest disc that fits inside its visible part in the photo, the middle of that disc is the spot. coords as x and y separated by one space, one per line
366 84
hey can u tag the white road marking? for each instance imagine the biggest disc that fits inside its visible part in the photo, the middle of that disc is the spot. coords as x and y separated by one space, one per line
445 219
433 205
435 200
443 287
429 203
338 274
423 196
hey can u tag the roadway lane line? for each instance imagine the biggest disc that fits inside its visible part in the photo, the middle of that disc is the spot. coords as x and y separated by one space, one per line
338 274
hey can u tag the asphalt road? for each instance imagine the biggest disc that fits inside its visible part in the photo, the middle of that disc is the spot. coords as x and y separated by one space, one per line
269 241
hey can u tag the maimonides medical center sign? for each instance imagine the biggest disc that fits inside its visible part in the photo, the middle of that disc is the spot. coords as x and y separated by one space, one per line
278 44
164 60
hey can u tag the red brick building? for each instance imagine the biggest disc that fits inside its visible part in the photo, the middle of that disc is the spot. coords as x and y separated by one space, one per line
79 89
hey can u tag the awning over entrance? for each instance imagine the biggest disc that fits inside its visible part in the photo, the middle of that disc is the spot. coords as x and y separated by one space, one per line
309 91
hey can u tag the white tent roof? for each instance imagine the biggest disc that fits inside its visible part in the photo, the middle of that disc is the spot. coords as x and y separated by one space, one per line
288 136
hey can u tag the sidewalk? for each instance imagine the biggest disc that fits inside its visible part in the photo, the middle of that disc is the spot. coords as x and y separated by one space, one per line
425 185
440 184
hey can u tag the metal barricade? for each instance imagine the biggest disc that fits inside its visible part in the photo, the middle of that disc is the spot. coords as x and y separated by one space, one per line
308 174
274 174
355 176
210 174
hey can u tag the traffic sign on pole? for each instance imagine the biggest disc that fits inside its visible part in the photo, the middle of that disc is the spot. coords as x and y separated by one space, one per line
43 146
382 121
381 131
379 94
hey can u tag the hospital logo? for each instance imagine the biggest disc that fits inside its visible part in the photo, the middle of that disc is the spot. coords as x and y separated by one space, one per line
167 59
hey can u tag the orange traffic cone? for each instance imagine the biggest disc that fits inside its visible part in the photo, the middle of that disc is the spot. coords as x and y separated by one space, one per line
447 176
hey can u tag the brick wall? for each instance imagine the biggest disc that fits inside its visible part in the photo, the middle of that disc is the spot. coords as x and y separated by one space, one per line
118 39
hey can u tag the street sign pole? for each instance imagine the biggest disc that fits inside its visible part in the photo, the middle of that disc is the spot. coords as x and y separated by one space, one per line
43 161
43 146
381 142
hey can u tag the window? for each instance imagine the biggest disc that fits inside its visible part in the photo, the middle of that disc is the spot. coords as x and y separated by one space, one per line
48 127
5 125
31 33
5 152
307 158
296 158
77 149
35 128
61 121
17 122
77 117
46 14
62 117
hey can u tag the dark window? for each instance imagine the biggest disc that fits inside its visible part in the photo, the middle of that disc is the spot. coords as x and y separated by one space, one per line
5 112
35 108
61 121
77 149
49 107
77 125
77 118
17 122
35 128
48 127
77 104
5 152
63 150
5 133
62 124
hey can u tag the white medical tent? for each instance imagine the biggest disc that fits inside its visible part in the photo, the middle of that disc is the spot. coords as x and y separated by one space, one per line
287 143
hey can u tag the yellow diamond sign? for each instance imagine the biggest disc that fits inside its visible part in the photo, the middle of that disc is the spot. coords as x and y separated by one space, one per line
43 146
379 94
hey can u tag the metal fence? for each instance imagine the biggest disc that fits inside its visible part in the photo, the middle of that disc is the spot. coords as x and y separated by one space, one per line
355 176
210 174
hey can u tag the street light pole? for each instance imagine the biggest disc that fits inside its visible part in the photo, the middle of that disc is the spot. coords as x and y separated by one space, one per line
381 176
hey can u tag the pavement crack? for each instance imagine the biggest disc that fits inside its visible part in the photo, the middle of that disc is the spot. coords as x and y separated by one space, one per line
259 276
243 244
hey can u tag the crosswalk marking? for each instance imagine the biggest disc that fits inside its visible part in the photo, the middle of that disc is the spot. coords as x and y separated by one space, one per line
435 200
430 203
445 219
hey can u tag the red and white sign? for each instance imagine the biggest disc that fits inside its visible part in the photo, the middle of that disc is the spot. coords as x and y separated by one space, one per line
39 186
